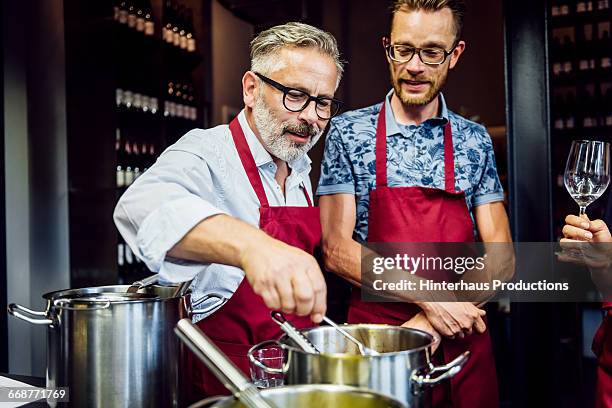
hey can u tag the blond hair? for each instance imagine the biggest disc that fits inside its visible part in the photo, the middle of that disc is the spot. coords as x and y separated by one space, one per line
457 7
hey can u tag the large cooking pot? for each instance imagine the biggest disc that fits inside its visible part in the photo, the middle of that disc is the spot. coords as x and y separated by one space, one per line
311 396
112 348
404 371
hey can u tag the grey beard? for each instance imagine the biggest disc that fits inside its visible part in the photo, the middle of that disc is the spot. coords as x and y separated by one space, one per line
271 131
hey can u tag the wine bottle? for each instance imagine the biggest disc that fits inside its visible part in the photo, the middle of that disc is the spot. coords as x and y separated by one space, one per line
182 28
555 10
568 56
120 172
559 113
605 62
570 111
131 15
149 27
176 40
140 16
129 172
556 49
607 108
121 256
123 12
169 19
191 42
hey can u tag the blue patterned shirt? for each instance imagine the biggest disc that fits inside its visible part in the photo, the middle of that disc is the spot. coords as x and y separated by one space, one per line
415 157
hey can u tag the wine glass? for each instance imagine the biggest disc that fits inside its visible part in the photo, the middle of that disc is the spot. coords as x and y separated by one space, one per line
587 172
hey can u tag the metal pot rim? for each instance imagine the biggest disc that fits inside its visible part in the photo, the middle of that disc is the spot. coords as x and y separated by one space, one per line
345 356
310 387
82 295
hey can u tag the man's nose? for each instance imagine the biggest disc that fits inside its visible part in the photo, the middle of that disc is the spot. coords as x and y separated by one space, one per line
309 113
415 65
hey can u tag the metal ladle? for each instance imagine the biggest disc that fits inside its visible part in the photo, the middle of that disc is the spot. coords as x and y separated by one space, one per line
363 350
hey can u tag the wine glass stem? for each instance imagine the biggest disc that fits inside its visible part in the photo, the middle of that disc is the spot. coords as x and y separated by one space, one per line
582 210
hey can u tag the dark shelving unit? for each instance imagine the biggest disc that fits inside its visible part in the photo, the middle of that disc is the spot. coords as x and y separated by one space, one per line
120 115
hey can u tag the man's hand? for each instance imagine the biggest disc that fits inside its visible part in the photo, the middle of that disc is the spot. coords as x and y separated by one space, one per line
286 277
419 321
582 229
452 319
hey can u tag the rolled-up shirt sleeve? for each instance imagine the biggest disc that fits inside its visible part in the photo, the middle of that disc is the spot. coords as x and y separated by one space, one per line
336 168
162 206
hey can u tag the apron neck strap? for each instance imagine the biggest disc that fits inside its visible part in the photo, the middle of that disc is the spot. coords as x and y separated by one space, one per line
308 200
246 157
449 159
381 153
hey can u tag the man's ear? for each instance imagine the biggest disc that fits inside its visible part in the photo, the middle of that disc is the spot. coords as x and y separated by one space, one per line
454 57
250 85
385 42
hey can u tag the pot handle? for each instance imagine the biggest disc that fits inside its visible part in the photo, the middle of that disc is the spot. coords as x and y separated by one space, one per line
13 309
220 302
261 365
446 371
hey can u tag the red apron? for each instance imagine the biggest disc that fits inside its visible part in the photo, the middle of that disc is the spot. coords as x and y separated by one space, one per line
602 347
245 319
421 214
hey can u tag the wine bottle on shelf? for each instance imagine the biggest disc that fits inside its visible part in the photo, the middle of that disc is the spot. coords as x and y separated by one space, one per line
120 170
127 156
191 42
131 15
586 49
603 5
564 8
588 110
140 16
149 24
121 256
176 39
568 56
152 157
169 21
605 45
183 28
557 66
559 113
570 111
607 108
116 9
555 9
123 12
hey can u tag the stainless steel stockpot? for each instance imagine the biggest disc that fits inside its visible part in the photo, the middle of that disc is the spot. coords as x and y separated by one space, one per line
111 348
311 396
404 371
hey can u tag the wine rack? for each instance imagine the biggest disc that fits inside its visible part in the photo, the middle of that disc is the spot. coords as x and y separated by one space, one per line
138 78
580 71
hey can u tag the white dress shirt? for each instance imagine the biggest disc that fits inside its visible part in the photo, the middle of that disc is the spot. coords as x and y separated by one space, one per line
199 176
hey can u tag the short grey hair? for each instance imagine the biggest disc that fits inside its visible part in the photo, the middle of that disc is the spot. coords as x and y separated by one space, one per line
268 43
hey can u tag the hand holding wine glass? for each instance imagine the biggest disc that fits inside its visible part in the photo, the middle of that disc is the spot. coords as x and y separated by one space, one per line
587 173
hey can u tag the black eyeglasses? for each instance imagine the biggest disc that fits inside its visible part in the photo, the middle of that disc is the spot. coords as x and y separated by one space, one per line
402 53
295 100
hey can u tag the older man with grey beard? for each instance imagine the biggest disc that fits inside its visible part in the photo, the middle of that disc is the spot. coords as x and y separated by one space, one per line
235 201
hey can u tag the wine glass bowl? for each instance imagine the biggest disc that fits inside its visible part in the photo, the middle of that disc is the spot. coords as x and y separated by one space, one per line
587 172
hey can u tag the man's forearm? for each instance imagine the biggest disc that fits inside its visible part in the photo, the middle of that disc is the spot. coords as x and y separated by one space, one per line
343 257
218 239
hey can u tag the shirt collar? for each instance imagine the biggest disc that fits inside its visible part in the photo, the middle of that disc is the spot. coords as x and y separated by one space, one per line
391 123
261 155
